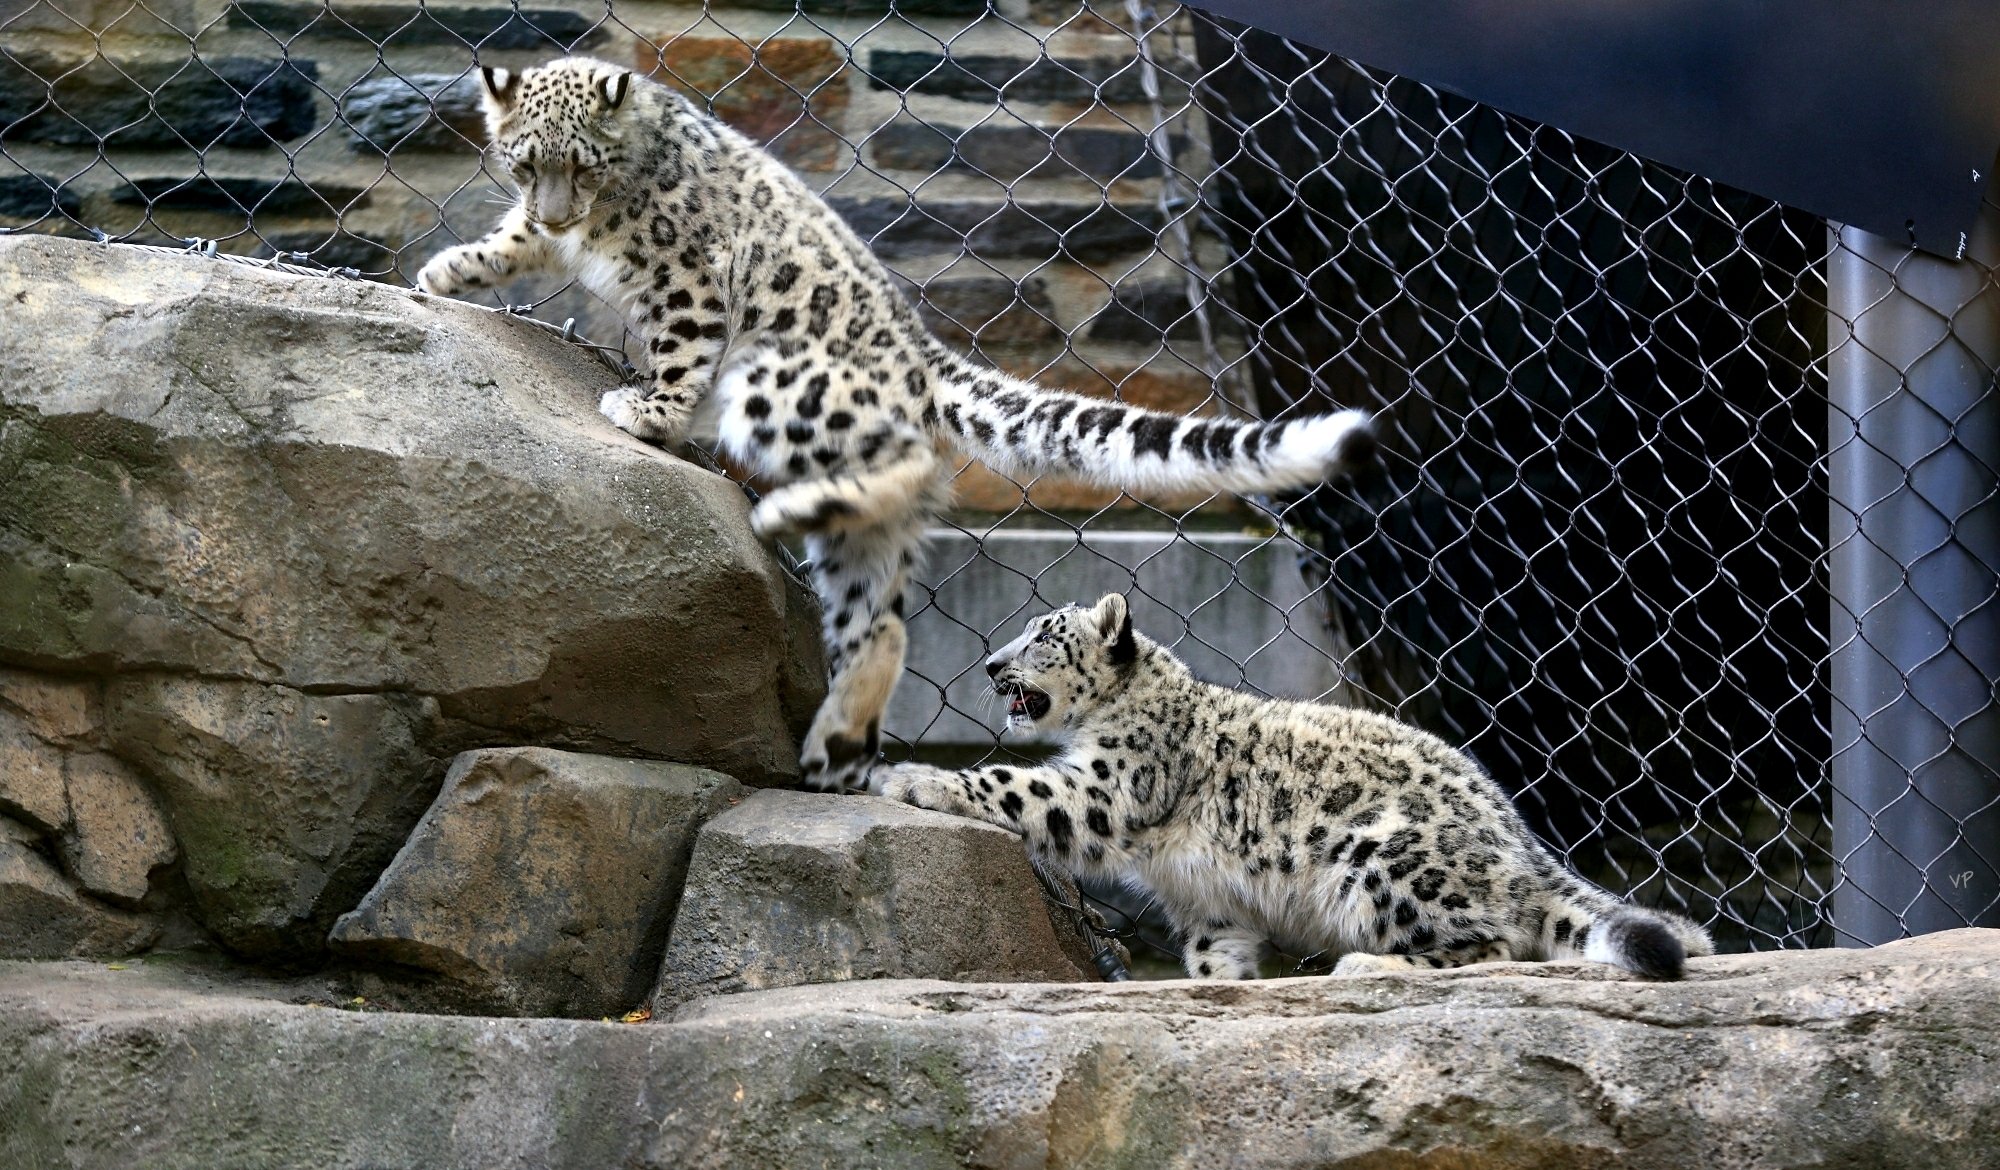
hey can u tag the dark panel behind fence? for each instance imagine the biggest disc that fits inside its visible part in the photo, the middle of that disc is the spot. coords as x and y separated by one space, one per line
1594 557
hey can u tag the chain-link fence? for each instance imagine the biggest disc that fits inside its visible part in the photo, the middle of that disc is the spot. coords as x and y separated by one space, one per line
1597 552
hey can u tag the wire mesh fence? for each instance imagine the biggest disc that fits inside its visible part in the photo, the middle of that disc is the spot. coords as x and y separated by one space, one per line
1597 552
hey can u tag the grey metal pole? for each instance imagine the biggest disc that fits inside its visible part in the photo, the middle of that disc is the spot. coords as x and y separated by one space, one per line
1913 446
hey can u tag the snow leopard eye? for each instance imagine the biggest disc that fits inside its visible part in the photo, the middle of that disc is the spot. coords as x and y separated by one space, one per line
523 171
590 176
1044 636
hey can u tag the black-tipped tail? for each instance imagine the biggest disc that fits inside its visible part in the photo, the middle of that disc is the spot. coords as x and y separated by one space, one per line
1643 945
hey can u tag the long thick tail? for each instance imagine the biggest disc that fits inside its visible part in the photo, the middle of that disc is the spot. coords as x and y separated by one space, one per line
1021 429
1593 925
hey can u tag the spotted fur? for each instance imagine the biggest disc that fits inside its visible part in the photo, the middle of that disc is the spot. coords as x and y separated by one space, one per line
1254 821
762 318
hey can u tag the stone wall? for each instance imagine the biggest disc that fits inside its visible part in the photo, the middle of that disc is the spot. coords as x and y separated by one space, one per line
997 159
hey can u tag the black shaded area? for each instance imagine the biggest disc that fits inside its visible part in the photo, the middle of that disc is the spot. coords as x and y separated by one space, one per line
273 197
1008 154
230 101
430 24
990 77
1594 557
1884 116
896 228
36 197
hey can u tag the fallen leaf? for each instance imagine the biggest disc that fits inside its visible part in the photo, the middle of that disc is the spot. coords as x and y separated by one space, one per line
114 966
638 1015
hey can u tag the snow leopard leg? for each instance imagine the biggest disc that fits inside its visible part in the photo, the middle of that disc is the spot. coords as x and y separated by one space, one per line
906 490
1464 955
688 330
510 250
1220 950
860 577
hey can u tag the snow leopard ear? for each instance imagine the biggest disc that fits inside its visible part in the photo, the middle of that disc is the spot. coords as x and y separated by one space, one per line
500 86
1114 624
613 90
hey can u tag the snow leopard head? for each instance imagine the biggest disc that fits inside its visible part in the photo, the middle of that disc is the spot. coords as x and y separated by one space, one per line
1065 663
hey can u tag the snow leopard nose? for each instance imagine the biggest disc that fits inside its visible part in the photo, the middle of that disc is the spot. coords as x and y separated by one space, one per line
995 665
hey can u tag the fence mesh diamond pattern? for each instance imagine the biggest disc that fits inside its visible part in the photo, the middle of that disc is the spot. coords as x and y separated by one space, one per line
1596 551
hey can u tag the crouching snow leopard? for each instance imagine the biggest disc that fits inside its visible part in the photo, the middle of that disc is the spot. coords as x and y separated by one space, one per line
767 322
1320 829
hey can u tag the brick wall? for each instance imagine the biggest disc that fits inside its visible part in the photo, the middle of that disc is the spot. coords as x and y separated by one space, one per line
996 158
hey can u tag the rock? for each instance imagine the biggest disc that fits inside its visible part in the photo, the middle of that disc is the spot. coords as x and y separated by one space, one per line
165 103
318 536
541 882
1008 154
795 887
402 26
268 197
287 804
117 836
898 229
414 111
43 916
987 77
1149 312
70 796
786 94
35 197
987 310
1841 1059
31 776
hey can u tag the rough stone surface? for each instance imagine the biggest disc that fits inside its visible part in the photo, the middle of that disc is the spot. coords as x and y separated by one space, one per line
316 537
74 801
117 835
31 776
1834 1060
794 887
44 916
541 882
286 804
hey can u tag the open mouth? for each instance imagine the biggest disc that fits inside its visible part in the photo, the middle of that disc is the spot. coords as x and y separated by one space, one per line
1026 703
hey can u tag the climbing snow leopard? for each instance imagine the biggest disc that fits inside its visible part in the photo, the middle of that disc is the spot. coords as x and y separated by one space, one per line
756 304
1321 829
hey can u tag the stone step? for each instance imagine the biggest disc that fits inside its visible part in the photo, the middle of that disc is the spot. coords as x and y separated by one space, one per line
1823 1058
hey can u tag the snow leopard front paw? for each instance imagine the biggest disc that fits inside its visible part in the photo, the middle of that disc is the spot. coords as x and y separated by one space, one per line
629 411
1362 963
456 270
907 784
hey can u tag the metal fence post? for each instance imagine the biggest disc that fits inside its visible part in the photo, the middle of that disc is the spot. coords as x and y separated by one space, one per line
1914 555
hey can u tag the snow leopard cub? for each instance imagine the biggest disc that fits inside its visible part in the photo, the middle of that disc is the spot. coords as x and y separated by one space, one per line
1320 829
760 309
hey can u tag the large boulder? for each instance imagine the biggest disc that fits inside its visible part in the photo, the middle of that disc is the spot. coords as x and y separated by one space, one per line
310 538
798 887
1838 1059
541 882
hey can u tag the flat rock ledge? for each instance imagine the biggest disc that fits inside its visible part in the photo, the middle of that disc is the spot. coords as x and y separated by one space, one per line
1822 1059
